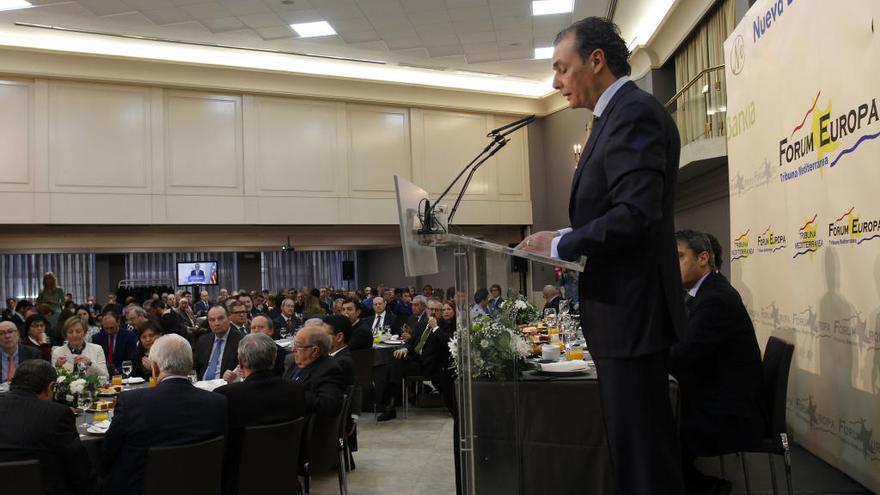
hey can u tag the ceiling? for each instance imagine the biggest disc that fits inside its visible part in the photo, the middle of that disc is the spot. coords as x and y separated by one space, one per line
488 37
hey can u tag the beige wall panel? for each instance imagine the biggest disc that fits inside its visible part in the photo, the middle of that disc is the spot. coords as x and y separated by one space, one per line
186 209
100 208
299 211
380 211
475 212
16 134
511 164
203 143
99 137
297 145
379 148
443 143
19 207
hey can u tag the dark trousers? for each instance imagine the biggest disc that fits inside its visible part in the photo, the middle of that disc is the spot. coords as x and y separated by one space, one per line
388 378
642 439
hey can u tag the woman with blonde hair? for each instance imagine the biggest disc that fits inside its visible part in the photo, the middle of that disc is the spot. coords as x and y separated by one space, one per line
77 352
51 298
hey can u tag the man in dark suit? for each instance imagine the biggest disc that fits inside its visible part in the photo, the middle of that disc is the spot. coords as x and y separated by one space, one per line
202 306
419 318
317 371
384 318
718 366
551 297
264 325
13 355
279 400
215 352
361 331
338 327
18 316
197 275
36 427
621 215
287 319
119 344
172 413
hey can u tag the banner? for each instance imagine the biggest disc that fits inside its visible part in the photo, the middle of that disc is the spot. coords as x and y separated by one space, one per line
803 131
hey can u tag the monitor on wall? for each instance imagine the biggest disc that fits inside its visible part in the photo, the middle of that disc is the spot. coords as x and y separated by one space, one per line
197 273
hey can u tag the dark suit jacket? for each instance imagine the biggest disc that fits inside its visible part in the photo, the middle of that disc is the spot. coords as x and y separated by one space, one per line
173 413
361 335
280 322
324 384
279 401
718 364
391 319
621 213
124 349
280 356
45 349
200 308
25 353
204 347
436 358
46 431
418 326
553 303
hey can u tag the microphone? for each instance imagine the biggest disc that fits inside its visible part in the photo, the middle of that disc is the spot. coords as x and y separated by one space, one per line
518 123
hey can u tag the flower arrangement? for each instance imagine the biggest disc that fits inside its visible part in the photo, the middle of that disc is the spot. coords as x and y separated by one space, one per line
71 384
498 350
518 310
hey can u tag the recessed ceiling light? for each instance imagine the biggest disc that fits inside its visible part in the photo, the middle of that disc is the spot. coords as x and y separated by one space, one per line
543 52
547 7
14 4
312 29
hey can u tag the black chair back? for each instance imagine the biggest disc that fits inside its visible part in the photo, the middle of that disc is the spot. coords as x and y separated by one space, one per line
363 367
21 477
324 440
203 462
267 451
777 362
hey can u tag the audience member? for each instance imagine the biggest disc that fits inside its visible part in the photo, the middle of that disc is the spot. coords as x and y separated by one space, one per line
569 284
495 298
238 317
188 415
338 327
148 332
118 344
37 427
215 352
717 254
77 352
287 320
202 305
278 400
18 316
481 304
436 357
317 371
551 297
92 327
13 355
383 318
51 298
35 335
419 318
718 366
361 334
262 324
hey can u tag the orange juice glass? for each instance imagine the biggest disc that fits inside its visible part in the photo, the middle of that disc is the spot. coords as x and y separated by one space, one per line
100 416
574 354
116 380
152 381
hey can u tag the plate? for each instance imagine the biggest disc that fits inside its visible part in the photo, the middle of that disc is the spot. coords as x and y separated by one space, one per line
584 372
393 342
99 428
133 380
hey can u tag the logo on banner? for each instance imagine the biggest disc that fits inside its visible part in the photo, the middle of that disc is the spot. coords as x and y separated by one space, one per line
850 228
856 434
740 122
769 18
819 144
808 238
807 411
770 242
741 249
737 55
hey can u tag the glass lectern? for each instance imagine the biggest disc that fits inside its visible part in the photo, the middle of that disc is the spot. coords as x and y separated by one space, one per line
489 354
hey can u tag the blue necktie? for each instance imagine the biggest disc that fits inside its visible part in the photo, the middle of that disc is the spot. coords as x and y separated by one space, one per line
214 362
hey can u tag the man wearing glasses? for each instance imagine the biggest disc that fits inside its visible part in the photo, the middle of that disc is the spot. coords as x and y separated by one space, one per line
316 371
238 317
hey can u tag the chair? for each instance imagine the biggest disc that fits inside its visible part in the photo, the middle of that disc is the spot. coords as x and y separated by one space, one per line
776 364
21 477
267 451
418 379
325 440
203 461
363 371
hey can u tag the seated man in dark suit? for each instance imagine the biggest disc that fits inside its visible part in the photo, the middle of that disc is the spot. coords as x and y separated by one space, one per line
263 325
172 413
13 355
419 318
718 366
261 399
287 319
361 332
551 297
338 327
119 344
215 352
384 318
317 371
36 427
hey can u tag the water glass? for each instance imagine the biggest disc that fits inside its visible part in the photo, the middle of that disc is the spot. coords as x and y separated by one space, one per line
126 370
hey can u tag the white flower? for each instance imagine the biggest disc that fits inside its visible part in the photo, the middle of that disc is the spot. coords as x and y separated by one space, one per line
520 304
69 398
77 386
60 379
484 343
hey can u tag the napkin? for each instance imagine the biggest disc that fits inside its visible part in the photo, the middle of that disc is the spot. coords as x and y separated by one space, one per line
133 380
99 427
210 385
565 366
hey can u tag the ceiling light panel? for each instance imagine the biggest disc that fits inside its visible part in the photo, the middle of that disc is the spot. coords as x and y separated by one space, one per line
549 7
14 4
543 52
313 29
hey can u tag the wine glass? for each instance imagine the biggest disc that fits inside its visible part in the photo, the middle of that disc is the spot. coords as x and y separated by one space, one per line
126 370
563 306
84 401
550 316
283 331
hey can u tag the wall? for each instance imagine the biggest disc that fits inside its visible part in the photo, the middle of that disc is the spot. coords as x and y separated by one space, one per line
703 204
249 270
90 153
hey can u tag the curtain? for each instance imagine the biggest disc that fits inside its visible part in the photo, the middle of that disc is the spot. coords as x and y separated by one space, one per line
304 269
701 110
22 274
161 269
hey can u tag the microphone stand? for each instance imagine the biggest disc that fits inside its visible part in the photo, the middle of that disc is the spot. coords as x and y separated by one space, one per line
499 140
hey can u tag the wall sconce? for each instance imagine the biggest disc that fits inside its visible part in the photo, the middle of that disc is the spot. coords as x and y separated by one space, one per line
578 148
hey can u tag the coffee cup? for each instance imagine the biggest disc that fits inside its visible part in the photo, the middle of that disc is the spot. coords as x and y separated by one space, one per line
550 352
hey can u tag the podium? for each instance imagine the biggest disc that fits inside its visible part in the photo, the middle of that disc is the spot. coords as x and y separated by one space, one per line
489 445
